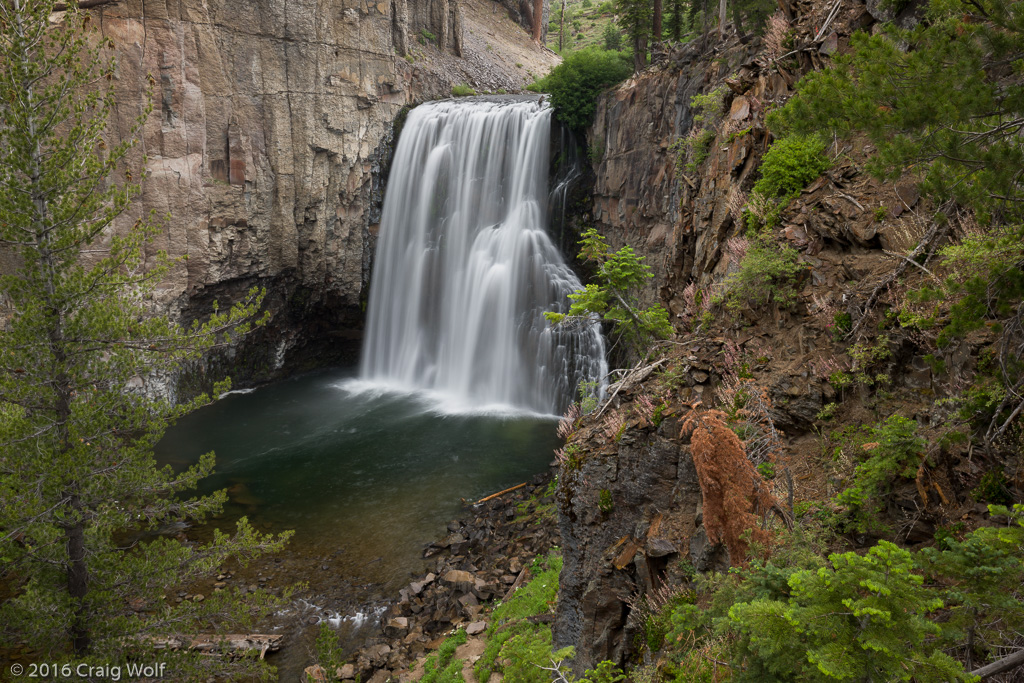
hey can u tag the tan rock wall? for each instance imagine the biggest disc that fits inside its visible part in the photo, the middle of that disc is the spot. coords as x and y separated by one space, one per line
261 145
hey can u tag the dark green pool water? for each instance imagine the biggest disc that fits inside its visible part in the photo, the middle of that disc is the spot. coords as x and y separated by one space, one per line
363 475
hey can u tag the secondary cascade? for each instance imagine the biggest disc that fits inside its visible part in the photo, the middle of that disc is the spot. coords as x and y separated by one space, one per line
465 268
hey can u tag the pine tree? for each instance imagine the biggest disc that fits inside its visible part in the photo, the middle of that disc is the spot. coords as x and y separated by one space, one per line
863 619
79 487
735 496
615 297
635 17
678 19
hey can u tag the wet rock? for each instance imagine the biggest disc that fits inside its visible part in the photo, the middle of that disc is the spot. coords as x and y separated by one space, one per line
656 494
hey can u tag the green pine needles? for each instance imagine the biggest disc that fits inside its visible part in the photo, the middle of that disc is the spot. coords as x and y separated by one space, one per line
615 296
864 618
79 488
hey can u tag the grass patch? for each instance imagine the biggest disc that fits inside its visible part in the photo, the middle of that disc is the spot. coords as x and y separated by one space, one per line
510 636
442 667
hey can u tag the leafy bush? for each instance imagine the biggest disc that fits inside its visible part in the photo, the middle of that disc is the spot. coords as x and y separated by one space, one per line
612 37
329 654
864 618
797 617
980 582
993 488
693 149
575 83
767 274
790 164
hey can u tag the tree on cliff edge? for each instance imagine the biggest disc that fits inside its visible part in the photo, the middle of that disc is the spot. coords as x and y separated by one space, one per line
79 487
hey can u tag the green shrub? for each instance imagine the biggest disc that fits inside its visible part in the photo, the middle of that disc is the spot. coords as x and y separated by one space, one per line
509 619
328 650
427 37
767 273
462 90
895 452
699 147
863 618
842 323
993 489
982 575
790 164
575 83
615 297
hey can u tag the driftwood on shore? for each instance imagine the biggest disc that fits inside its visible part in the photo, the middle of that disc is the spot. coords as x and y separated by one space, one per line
500 493
211 644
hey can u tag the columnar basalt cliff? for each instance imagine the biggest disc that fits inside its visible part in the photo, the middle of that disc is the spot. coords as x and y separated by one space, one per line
271 122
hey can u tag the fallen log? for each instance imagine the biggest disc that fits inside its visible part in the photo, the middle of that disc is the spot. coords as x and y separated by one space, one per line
210 643
1000 666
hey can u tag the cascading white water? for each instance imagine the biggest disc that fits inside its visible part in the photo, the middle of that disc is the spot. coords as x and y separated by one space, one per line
464 268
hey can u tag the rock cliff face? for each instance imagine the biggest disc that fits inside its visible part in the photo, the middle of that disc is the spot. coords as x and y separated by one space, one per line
271 122
678 219
626 515
630 507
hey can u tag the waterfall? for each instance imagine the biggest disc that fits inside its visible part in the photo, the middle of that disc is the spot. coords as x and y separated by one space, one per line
465 269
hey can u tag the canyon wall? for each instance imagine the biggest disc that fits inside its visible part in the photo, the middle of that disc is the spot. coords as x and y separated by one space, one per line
678 219
272 121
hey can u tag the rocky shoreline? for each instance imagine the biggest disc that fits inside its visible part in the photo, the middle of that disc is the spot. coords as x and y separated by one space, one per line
484 558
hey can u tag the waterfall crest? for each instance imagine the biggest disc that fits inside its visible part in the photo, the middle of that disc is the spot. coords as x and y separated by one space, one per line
465 269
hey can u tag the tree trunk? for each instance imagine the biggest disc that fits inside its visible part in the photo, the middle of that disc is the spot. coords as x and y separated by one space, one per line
656 23
640 53
722 10
538 20
737 20
78 579
561 29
